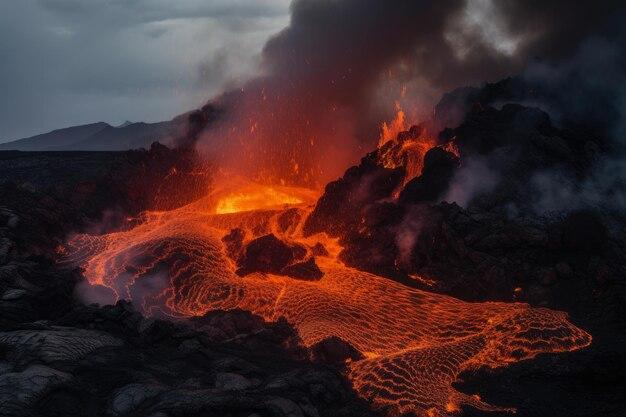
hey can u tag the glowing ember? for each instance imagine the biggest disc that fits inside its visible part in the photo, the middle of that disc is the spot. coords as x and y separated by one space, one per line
415 343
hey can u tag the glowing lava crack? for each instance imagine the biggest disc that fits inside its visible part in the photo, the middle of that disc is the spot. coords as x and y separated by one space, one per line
415 343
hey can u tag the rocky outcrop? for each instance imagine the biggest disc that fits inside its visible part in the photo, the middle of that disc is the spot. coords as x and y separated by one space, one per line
269 254
430 186
128 365
54 344
337 210
506 243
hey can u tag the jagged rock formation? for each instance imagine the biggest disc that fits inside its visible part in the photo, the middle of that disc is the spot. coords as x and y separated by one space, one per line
504 244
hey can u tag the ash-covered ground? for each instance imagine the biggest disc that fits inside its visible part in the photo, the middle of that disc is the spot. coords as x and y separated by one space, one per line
536 218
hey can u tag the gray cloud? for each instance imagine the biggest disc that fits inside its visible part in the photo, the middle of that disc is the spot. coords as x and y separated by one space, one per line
66 62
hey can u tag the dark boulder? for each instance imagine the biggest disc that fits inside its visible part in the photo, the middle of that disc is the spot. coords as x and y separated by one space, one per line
307 270
268 254
333 351
337 211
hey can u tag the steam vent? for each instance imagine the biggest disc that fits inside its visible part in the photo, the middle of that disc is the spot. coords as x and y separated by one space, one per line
376 209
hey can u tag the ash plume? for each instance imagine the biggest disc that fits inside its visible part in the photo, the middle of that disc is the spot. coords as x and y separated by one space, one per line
330 77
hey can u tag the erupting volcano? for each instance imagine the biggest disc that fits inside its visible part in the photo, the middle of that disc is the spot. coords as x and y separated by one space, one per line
325 208
412 344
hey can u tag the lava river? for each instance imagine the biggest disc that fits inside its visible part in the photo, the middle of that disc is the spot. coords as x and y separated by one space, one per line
415 343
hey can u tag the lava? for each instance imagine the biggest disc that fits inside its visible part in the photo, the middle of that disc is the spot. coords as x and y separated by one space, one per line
415 343
262 197
402 146
389 131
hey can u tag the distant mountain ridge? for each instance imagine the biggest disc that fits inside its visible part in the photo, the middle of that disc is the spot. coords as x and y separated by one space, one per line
99 137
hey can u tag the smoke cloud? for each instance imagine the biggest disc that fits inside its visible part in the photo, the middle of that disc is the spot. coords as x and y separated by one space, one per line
331 76
474 178
603 189
409 232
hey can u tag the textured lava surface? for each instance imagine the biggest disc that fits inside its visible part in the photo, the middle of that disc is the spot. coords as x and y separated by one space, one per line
414 343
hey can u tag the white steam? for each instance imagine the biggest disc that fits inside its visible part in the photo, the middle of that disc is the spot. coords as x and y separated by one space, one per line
474 177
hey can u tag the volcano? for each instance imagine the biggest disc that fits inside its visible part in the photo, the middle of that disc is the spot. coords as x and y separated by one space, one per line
370 225
411 344
373 288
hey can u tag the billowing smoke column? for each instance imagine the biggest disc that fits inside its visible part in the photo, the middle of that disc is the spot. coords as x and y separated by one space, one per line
334 73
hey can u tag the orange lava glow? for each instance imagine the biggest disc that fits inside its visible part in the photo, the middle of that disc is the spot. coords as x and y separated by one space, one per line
398 148
452 148
263 197
389 131
415 343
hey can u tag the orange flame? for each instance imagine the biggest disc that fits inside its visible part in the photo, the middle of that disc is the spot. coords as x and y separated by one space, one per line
390 131
406 149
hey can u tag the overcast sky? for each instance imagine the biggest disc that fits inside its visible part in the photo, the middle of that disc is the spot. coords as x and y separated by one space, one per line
69 62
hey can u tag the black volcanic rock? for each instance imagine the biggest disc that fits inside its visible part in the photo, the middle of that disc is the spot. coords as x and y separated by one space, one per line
307 270
517 142
439 168
337 211
373 245
583 233
333 351
268 254
486 129
288 219
113 361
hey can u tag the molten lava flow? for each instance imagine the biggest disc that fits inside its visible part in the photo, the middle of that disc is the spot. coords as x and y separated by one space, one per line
400 146
415 343
260 197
